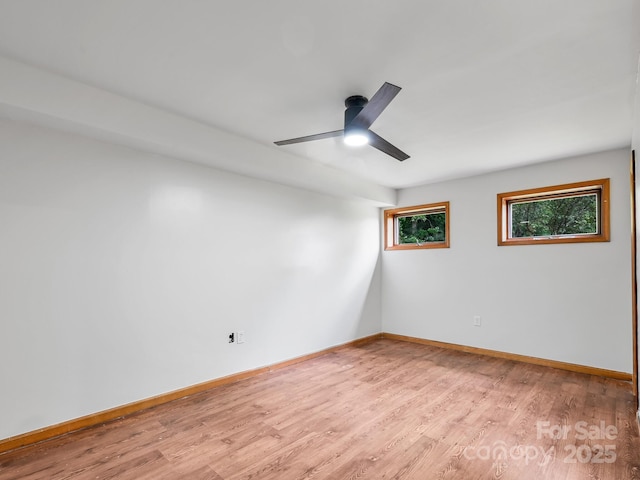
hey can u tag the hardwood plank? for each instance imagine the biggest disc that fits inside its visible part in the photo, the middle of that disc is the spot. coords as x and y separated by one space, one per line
387 409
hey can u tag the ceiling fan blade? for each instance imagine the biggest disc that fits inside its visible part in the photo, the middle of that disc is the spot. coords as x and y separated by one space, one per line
309 138
381 144
372 110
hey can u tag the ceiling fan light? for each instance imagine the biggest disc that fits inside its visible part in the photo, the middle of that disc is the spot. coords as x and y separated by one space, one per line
356 138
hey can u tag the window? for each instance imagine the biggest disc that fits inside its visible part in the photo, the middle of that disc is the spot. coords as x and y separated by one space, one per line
571 213
421 226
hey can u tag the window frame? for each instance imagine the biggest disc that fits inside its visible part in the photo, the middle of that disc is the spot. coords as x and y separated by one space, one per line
600 186
391 229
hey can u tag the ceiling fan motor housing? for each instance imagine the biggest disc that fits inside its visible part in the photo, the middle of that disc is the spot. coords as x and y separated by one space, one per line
354 105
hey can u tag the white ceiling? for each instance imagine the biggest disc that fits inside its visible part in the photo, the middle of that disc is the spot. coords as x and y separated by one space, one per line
486 85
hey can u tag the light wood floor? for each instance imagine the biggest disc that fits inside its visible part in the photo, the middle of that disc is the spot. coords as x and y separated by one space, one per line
385 410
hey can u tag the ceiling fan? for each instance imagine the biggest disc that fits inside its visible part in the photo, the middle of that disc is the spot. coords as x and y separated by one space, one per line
358 117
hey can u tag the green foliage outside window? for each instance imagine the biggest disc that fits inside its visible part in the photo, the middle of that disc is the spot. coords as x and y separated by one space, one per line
556 216
422 228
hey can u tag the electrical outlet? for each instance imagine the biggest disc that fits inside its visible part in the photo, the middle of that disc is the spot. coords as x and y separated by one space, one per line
231 338
240 336
477 320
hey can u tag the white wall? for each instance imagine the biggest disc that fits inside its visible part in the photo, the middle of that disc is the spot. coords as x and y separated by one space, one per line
568 302
122 273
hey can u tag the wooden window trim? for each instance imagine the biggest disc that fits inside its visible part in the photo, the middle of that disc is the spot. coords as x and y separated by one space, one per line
390 226
557 191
